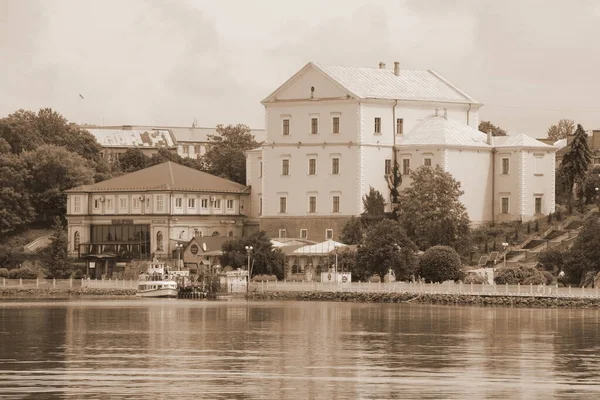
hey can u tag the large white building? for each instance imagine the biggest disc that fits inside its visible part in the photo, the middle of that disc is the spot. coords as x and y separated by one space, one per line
332 132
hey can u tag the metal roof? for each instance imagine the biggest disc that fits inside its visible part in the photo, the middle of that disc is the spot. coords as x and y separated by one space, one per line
437 130
133 137
521 140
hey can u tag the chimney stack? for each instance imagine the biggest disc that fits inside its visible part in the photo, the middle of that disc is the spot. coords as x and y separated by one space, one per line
489 137
437 112
396 68
445 113
381 65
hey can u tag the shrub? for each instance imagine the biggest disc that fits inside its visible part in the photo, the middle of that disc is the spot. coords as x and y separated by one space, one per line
374 279
523 274
439 264
23 273
549 277
475 279
3 273
264 278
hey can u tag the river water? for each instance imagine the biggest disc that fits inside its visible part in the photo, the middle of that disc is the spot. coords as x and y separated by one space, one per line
164 349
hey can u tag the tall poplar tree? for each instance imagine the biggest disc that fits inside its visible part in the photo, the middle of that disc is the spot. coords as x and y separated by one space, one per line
575 163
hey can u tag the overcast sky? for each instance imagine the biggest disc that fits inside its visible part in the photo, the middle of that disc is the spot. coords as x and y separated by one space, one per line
153 62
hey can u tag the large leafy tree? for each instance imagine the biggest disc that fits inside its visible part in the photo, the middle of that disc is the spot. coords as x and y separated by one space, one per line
226 155
265 259
584 255
432 213
374 207
386 246
575 163
439 264
561 129
352 232
133 160
487 126
53 170
16 210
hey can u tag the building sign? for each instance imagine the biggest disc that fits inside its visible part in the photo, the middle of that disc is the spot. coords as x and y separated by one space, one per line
121 221
159 221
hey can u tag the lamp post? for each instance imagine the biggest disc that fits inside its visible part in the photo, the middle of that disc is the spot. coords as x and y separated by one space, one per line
249 251
598 198
505 246
179 247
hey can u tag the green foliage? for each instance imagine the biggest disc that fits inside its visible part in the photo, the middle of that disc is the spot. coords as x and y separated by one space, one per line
346 260
523 274
133 160
264 278
16 208
58 266
561 130
475 279
575 163
226 155
374 208
22 273
591 182
432 213
265 259
352 233
10 257
439 264
553 259
385 246
3 273
487 126
394 180
584 255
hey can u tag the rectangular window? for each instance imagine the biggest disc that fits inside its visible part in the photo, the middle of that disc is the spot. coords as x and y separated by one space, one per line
123 202
286 127
96 204
336 204
229 204
109 204
217 204
282 233
537 164
377 125
336 125
505 205
312 166
312 204
505 166
186 149
388 167
77 204
135 202
260 202
260 169
285 167
191 203
283 204
178 202
303 233
197 148
314 126
335 166
328 234
204 203
405 166
160 203
399 126
427 162
538 205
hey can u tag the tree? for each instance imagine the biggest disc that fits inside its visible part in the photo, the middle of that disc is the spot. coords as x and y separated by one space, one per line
352 233
591 185
432 213
584 255
58 266
487 126
53 170
374 205
439 264
16 210
562 129
575 163
394 180
226 154
133 160
265 259
386 246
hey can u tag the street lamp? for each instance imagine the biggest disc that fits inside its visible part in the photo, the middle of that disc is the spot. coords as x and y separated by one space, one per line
249 251
505 245
179 247
598 198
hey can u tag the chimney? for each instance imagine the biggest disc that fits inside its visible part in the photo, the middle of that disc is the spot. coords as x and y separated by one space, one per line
437 112
489 137
396 68
445 113
381 65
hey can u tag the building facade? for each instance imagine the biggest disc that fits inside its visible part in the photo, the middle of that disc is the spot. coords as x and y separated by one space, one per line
333 132
149 212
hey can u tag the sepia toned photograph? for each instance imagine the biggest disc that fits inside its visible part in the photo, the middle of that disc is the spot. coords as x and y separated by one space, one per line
391 199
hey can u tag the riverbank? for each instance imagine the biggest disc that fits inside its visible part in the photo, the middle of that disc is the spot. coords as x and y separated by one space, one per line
476 299
20 292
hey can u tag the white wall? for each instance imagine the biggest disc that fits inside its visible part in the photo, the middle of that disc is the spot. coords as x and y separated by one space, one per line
300 87
507 185
541 184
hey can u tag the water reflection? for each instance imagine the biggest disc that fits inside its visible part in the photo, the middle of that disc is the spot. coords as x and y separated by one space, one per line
281 350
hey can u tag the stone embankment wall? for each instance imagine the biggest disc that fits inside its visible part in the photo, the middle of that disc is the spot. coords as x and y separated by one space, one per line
59 292
434 298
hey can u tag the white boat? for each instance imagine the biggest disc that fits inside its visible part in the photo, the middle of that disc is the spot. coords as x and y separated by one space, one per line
156 282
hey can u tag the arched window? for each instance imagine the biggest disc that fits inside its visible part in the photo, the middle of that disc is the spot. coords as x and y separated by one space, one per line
159 241
296 269
76 240
230 234
216 233
319 269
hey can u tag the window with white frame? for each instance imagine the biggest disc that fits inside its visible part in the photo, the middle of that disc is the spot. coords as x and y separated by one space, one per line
282 204
336 204
399 126
204 203
312 204
336 125
229 204
76 240
387 169
505 205
328 234
537 164
186 149
178 202
285 167
285 130
314 125
123 202
282 233
312 166
538 205
427 162
135 202
76 204
96 204
303 233
406 166
335 166
109 203
160 203
505 165
217 204
192 203
377 128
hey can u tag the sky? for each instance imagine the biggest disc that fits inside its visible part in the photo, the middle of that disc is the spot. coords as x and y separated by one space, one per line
161 62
